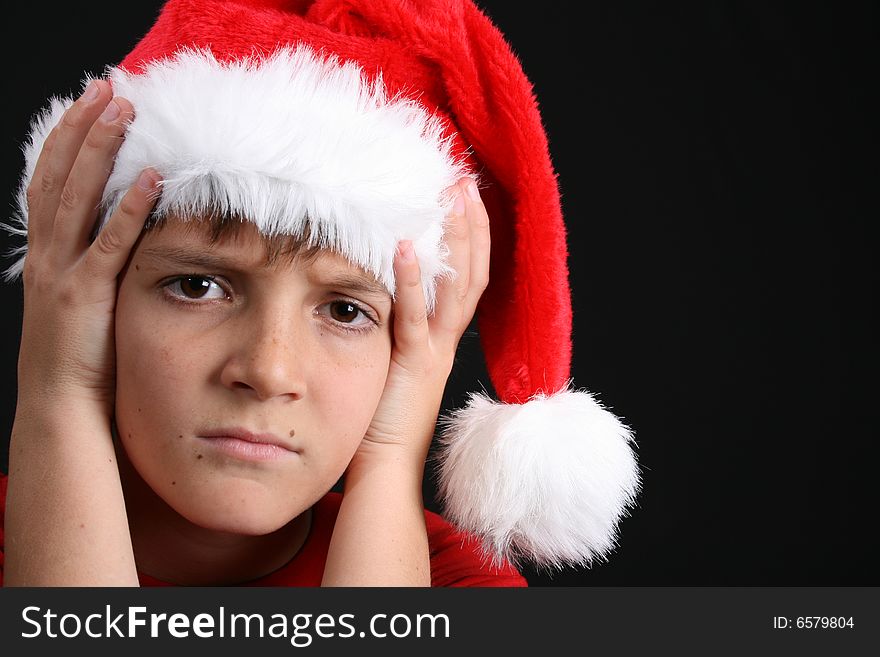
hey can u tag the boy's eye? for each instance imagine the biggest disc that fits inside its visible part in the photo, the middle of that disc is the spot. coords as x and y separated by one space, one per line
344 311
348 316
194 287
344 314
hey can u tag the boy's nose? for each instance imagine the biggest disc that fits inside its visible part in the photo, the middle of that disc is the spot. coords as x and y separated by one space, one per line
269 362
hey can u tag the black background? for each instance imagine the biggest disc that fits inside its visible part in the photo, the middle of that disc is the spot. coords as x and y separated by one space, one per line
715 162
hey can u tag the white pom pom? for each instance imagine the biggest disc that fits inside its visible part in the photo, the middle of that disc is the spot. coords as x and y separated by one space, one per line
545 481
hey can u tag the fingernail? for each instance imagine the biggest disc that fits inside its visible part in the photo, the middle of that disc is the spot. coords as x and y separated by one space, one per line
147 180
405 249
458 205
472 191
110 112
91 92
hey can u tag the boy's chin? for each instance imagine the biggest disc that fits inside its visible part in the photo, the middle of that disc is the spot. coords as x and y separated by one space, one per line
245 521
249 510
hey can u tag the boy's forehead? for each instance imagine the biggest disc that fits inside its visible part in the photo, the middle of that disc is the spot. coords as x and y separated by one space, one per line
246 250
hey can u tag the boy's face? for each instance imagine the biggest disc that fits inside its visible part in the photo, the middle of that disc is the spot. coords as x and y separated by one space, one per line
269 349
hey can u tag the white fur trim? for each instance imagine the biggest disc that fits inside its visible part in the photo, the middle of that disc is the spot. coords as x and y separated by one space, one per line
545 481
283 140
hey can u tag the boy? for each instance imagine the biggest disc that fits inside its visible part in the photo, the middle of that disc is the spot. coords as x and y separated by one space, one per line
333 178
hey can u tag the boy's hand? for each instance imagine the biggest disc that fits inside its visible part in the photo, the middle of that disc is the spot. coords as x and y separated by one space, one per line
424 347
67 344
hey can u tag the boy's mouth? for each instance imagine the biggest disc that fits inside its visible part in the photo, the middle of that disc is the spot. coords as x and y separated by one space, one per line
248 445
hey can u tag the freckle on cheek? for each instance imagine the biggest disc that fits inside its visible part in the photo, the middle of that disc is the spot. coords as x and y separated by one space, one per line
198 457
292 433
173 483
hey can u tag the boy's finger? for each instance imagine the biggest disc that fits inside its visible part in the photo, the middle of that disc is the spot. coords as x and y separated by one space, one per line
54 163
108 254
452 292
410 314
88 177
480 249
39 230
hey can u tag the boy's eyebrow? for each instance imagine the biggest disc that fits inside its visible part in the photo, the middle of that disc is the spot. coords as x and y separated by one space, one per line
358 284
186 257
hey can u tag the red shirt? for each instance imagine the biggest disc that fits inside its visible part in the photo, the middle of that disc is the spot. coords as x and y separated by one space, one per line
455 556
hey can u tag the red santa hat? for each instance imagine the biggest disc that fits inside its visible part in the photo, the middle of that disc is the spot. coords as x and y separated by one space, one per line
350 118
